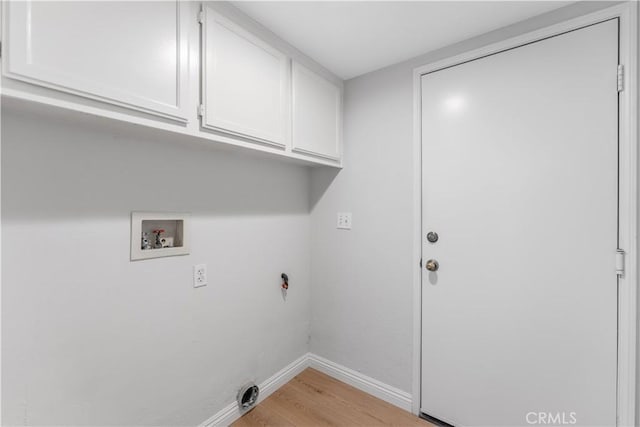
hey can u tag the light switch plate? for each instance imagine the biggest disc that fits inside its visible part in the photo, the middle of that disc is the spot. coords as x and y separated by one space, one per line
344 220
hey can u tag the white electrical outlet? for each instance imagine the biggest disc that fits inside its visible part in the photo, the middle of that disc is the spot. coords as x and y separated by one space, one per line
199 275
344 220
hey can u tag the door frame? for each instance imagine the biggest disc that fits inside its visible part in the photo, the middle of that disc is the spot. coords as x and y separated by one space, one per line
627 13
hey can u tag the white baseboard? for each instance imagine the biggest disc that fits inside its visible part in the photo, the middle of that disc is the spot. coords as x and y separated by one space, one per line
383 391
231 412
397 397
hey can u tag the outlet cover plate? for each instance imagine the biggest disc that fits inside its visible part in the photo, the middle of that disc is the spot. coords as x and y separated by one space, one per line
199 275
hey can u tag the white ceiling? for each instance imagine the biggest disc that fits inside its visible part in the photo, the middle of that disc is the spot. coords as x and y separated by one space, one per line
351 38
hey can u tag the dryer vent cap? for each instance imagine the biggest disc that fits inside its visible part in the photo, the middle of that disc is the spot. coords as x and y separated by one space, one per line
248 396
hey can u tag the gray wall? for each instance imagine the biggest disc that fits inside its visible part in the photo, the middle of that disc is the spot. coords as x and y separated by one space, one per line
362 279
90 338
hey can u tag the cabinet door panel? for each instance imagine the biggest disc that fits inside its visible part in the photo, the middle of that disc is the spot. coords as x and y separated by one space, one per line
244 82
132 54
317 105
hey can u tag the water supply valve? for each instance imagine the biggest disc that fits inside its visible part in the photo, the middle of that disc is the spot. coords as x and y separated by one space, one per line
158 243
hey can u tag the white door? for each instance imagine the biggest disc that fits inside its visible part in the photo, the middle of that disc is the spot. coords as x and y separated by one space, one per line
520 183
317 109
244 82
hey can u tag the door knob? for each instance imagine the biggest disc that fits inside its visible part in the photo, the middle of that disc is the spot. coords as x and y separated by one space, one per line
432 265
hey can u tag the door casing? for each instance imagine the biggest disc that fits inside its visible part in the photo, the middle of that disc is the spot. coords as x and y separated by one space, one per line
628 188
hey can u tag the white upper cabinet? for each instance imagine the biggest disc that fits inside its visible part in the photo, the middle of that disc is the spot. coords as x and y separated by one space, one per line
317 112
178 66
131 54
244 82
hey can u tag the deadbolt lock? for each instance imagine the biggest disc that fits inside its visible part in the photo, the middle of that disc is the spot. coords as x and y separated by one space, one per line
432 265
432 237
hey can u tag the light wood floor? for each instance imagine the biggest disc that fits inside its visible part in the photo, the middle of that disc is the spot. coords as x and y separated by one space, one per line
315 399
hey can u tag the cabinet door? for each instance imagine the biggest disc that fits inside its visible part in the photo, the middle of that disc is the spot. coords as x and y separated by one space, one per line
317 111
244 87
131 54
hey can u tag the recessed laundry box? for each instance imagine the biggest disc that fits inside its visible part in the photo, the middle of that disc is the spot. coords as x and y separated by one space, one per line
159 234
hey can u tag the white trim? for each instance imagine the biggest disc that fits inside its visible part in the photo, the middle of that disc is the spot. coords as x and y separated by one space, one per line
619 11
369 385
417 247
628 217
0 245
315 154
75 108
389 394
627 304
231 412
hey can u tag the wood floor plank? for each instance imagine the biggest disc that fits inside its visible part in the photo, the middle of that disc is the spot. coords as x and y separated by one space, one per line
315 399
386 412
298 411
263 417
341 411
